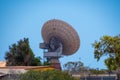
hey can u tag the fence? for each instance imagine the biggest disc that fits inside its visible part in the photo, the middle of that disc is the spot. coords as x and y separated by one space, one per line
10 77
17 77
98 78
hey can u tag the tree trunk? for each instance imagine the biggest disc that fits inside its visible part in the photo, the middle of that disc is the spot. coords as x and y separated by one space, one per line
118 74
118 77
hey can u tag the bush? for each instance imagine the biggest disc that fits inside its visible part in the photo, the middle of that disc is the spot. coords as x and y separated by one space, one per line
46 75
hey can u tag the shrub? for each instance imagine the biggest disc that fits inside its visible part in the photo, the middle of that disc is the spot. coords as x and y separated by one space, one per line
46 75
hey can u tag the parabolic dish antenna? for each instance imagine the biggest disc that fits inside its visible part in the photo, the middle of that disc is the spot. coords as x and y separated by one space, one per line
59 39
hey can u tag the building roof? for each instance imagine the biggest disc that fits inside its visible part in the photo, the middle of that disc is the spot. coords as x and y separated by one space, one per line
25 67
6 69
2 63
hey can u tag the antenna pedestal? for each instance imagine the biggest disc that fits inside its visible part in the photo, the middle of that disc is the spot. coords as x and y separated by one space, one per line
53 58
55 63
53 54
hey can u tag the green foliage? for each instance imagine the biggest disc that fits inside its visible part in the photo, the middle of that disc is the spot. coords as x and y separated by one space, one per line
109 46
96 71
21 54
36 61
46 75
78 67
73 66
111 63
46 63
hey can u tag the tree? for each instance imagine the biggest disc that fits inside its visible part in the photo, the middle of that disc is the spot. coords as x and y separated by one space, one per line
97 71
21 54
109 46
73 66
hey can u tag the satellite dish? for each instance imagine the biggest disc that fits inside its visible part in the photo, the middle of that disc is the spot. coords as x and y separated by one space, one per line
59 39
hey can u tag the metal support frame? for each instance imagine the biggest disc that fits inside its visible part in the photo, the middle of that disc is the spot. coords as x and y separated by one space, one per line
54 52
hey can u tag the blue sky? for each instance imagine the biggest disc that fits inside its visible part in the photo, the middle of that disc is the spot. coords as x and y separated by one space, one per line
90 18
